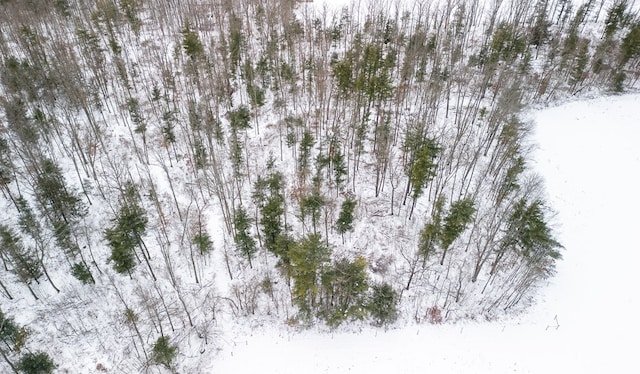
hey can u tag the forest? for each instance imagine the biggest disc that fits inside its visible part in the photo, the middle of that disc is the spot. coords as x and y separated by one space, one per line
170 169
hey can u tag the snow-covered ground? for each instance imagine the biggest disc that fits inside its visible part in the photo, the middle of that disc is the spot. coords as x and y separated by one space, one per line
585 320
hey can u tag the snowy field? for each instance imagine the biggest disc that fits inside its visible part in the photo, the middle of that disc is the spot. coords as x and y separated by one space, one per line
585 320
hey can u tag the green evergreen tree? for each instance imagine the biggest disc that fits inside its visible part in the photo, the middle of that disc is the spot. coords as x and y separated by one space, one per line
36 363
304 154
25 263
343 286
430 233
163 352
126 234
268 194
310 206
8 330
191 43
245 243
345 218
383 304
203 242
617 18
422 168
307 258
57 200
460 215
82 273
339 168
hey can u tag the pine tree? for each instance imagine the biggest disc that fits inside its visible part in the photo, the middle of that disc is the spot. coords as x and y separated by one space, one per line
304 154
345 219
25 263
422 170
343 286
431 232
307 257
163 352
126 234
203 242
82 273
383 304
36 363
245 243
310 206
460 215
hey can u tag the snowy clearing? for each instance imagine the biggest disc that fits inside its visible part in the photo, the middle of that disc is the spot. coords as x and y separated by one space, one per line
585 319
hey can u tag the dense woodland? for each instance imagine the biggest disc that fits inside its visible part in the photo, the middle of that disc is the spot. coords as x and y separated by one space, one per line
169 168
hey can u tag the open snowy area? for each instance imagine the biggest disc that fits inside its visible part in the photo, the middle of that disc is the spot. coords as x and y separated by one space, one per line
585 320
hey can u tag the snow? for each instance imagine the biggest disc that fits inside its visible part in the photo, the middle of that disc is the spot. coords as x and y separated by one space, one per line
585 319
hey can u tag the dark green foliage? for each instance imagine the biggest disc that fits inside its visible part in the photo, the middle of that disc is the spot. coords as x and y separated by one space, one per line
307 259
168 133
240 118
62 7
6 165
36 363
292 123
343 286
199 154
23 78
383 304
25 263
163 352
339 167
245 243
282 247
539 33
131 8
345 218
136 116
630 47
374 78
365 70
430 234
304 152
191 43
55 198
27 220
617 80
460 215
269 197
343 73
236 154
8 330
529 231
203 242
122 250
510 182
126 234
423 168
256 95
581 61
617 18
507 44
310 205
236 41
82 273
155 93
